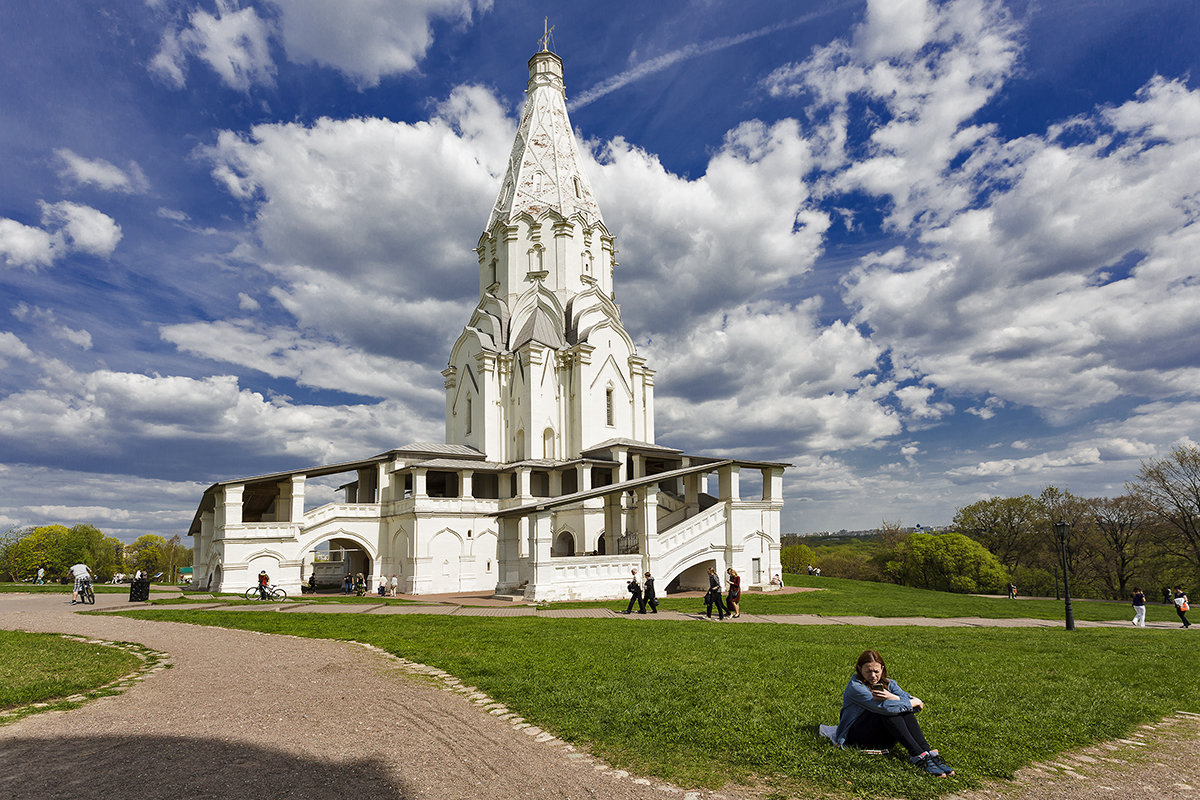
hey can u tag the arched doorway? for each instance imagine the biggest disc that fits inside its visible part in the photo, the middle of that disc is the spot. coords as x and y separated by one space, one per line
564 545
334 559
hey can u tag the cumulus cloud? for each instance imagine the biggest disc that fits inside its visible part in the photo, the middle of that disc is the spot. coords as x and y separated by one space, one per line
747 225
351 215
818 387
367 39
66 228
285 352
106 416
101 173
233 42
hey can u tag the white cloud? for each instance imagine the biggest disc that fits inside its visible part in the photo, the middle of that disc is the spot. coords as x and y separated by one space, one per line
351 216
50 322
1041 463
367 39
233 42
285 352
739 378
744 227
67 228
99 172
23 246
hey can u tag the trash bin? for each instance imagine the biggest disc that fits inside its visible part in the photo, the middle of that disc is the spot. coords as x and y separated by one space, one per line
139 591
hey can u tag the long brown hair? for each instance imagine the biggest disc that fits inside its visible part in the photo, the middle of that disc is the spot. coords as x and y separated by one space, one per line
871 657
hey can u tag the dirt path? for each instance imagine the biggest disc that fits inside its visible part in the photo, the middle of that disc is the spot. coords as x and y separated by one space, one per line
277 717
353 722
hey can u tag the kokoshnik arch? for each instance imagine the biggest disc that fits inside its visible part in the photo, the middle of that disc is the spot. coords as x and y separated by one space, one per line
550 484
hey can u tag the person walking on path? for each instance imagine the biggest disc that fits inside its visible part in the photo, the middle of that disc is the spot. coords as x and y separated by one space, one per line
82 575
264 580
635 594
1139 607
877 713
1012 591
714 595
733 601
651 599
1181 606
394 585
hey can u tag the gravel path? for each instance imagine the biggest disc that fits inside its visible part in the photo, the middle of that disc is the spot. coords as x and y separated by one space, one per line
279 717
309 718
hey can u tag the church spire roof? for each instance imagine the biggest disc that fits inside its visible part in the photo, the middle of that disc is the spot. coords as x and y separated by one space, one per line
544 168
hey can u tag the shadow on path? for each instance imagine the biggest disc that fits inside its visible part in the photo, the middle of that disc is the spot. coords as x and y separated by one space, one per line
115 767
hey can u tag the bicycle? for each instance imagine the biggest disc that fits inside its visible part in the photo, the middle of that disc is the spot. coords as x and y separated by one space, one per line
273 593
86 595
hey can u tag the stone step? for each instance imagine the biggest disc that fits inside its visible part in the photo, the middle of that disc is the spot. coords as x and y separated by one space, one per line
510 598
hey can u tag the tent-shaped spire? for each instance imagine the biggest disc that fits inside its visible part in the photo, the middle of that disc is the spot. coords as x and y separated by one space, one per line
544 169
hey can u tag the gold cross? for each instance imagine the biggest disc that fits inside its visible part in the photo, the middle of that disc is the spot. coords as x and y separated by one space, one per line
547 29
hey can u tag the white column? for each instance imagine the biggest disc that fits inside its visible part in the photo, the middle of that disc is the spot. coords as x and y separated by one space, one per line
465 483
583 481
418 482
231 504
296 512
648 540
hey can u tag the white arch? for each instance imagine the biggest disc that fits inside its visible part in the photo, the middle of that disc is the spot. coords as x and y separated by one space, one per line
313 540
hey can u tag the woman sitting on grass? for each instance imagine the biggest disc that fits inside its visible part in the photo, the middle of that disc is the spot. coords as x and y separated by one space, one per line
877 713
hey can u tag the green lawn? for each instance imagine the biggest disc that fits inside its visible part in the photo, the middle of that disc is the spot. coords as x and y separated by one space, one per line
701 704
841 597
44 667
61 588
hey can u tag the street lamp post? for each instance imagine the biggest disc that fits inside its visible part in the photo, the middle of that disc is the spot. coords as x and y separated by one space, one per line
1062 529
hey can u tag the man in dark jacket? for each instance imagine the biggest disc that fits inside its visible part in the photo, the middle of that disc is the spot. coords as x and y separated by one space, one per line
648 592
635 595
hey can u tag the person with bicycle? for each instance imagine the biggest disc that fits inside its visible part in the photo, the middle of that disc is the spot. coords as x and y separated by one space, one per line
82 576
264 581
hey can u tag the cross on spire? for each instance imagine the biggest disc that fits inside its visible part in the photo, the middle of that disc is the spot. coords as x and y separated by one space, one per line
547 29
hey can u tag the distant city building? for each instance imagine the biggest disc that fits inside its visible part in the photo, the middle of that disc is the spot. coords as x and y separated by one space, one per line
550 484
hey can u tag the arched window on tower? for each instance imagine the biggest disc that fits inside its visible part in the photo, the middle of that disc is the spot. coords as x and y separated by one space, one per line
578 188
468 415
608 406
548 443
587 262
536 258
492 272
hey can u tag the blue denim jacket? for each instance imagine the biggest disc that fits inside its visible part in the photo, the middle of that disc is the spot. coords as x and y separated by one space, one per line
858 698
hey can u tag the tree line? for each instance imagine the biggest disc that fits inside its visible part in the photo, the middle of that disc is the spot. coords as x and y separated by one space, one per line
55 548
1147 537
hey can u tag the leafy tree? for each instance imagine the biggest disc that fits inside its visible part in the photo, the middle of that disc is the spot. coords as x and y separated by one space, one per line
1170 487
1122 524
148 553
1012 528
796 558
948 562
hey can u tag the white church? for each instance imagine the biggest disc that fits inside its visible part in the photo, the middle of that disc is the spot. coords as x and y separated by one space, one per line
550 485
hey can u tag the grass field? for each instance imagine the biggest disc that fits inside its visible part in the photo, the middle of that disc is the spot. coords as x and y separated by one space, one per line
44 667
701 704
61 588
840 597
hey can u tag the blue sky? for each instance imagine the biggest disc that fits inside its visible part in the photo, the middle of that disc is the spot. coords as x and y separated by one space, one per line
926 252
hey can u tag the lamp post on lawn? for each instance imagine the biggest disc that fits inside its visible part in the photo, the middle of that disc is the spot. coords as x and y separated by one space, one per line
1062 529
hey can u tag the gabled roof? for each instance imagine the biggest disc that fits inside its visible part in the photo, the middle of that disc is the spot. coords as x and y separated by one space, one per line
631 444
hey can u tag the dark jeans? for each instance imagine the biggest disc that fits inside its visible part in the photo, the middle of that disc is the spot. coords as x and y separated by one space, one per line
641 601
1183 617
711 599
882 731
652 601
